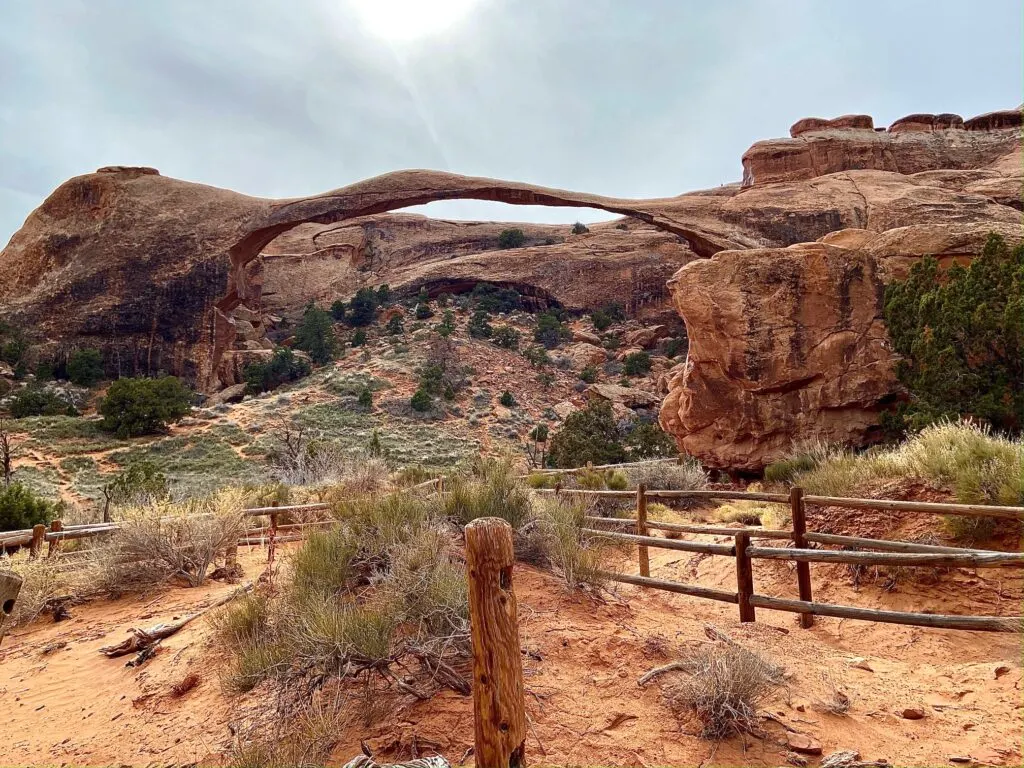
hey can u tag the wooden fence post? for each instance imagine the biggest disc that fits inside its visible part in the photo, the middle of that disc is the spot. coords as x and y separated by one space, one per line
440 485
499 712
641 528
38 534
55 527
10 586
744 577
273 535
803 570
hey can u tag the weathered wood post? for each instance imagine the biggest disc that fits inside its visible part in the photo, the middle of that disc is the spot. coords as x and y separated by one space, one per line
55 527
499 712
38 535
272 544
641 528
10 586
440 485
803 570
744 576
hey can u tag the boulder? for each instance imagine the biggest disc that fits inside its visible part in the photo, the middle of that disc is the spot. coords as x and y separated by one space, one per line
645 337
628 396
625 352
995 121
242 312
232 394
913 713
584 354
564 409
586 337
927 122
6 372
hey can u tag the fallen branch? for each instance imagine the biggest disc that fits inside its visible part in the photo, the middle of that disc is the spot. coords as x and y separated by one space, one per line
143 639
674 666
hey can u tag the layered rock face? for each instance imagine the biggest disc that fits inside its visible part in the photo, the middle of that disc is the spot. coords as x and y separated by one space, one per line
788 345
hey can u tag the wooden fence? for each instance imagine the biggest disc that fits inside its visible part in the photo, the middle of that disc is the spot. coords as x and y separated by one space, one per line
877 552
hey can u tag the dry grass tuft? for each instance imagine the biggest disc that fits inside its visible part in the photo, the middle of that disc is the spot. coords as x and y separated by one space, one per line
554 537
724 687
688 476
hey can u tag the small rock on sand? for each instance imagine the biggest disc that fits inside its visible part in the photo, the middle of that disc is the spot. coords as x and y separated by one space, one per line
912 713
799 742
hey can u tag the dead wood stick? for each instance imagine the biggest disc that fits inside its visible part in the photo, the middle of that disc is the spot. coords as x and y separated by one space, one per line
671 667
143 638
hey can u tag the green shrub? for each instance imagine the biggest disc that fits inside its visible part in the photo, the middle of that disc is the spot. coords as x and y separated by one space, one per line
338 309
359 338
611 343
447 325
383 294
961 336
363 307
590 480
647 440
506 399
616 480
35 401
140 483
579 228
546 379
136 407
599 318
538 480
13 346
395 325
420 401
558 540
423 311
315 335
506 336
637 364
493 300
511 238
282 367
588 374
85 367
549 331
20 508
492 490
674 347
537 356
590 434
478 327
366 398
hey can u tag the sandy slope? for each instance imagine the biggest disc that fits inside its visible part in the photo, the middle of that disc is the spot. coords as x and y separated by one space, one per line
582 659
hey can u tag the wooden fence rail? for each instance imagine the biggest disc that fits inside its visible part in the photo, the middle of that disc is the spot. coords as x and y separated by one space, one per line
883 553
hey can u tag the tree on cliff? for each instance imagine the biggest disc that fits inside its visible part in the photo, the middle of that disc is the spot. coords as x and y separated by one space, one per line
961 336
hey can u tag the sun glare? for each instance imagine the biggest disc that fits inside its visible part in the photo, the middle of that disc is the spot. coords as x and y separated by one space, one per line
404 20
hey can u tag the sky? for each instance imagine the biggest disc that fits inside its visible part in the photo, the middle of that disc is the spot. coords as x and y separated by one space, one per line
629 98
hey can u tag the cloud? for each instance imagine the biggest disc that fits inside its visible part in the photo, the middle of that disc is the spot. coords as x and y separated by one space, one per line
637 99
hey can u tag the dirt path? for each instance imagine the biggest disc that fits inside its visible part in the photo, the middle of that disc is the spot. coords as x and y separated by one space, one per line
582 658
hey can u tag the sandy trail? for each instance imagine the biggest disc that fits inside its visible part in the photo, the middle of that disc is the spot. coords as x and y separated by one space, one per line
582 658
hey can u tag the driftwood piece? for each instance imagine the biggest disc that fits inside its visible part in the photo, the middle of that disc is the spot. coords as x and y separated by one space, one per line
362 761
671 667
142 639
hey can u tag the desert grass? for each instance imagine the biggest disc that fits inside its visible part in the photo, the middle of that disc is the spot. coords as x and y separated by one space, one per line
688 476
977 465
490 489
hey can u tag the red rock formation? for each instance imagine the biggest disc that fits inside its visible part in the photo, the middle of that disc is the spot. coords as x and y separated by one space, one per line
819 124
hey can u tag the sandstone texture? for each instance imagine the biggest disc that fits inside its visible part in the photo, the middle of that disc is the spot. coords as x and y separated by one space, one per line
778 278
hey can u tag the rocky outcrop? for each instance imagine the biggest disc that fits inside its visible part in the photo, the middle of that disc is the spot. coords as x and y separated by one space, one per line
913 144
788 345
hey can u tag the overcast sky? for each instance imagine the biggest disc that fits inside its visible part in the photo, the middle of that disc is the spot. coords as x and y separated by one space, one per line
632 98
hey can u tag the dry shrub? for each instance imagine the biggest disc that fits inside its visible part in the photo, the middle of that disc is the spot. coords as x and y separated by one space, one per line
305 739
688 476
162 541
42 580
724 687
323 463
836 701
